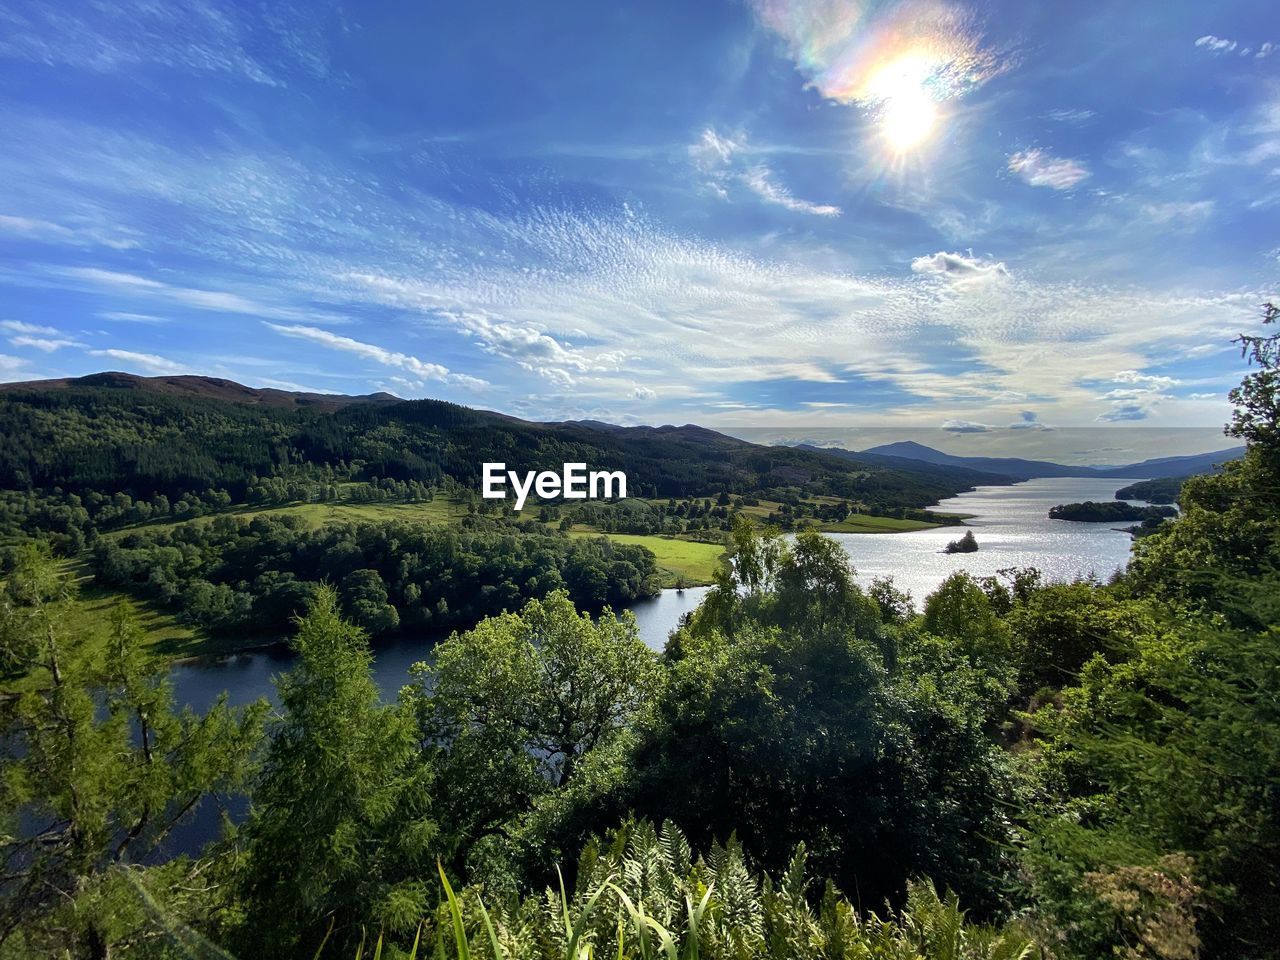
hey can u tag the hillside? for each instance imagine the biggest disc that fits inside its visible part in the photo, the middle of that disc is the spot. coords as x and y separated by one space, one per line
174 435
1017 469
207 388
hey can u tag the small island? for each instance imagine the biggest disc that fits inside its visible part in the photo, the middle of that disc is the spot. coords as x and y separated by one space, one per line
966 544
1103 512
1164 490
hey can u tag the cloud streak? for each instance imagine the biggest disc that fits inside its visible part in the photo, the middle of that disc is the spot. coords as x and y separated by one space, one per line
1041 169
722 162
421 370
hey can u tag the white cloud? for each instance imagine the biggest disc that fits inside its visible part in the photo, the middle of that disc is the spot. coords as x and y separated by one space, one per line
1074 116
47 344
195 36
759 180
964 426
147 362
1138 397
1223 46
725 163
1186 213
1145 380
644 393
50 232
959 268
711 150
420 369
18 326
1041 169
1029 420
215 301
10 367
125 317
1216 44
1130 410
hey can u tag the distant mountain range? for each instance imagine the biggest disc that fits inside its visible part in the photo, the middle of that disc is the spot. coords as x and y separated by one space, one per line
907 452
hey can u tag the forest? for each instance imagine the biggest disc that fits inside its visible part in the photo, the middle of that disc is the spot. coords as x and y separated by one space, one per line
1109 511
1007 768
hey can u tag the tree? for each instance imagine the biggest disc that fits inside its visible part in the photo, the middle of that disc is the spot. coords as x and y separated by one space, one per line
364 597
1169 747
960 611
1256 418
340 830
1062 626
98 770
514 707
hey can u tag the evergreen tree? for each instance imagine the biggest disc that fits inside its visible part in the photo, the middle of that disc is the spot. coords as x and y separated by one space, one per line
340 831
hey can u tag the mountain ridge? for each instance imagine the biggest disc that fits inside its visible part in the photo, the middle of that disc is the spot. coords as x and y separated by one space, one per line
196 385
148 435
1019 469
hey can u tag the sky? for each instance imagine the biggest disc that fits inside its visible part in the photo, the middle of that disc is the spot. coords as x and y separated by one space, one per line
1022 227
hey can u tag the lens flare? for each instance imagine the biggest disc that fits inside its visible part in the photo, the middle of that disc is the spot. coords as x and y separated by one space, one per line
908 120
899 60
907 109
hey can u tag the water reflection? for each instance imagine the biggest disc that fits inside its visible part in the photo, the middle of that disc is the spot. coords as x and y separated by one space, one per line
1013 529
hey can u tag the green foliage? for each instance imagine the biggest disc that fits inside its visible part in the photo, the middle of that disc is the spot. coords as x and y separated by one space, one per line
961 612
97 772
786 717
1162 490
236 575
966 544
524 706
340 833
1062 626
1169 743
641 894
1112 511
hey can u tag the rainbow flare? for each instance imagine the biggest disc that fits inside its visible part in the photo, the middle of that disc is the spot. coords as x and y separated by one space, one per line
866 53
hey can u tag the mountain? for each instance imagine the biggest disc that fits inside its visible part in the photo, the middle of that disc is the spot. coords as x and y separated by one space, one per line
1014 468
114 432
975 478
1163 467
1017 469
209 388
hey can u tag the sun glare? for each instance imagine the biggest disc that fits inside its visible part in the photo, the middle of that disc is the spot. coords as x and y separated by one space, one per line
908 120
908 111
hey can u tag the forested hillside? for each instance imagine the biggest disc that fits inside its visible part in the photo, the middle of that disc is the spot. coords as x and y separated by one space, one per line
153 459
114 434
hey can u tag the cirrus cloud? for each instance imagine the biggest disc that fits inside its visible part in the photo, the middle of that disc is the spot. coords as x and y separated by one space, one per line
1041 169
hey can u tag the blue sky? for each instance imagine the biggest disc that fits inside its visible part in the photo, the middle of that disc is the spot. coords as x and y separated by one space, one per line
1030 226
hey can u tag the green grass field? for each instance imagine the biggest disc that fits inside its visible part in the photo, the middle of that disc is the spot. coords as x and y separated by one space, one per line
695 562
87 618
865 523
318 514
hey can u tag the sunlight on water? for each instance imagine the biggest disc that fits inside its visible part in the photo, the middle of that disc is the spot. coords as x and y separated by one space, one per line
1013 529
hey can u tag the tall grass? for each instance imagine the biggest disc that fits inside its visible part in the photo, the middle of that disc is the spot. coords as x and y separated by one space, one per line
642 895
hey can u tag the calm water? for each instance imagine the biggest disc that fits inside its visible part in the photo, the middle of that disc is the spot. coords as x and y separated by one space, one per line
247 676
1011 524
1013 529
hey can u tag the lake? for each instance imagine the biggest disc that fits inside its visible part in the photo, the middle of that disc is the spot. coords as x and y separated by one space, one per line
1011 523
247 676
1013 529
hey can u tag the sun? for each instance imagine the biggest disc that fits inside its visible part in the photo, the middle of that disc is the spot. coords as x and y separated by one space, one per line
908 120
908 111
